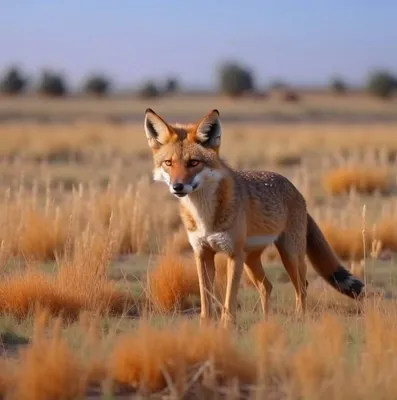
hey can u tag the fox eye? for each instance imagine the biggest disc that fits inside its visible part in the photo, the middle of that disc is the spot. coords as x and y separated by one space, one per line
193 163
168 163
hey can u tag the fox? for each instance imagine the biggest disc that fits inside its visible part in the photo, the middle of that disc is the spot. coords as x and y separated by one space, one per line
239 213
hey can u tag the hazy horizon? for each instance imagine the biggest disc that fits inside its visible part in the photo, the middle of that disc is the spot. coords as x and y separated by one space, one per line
303 43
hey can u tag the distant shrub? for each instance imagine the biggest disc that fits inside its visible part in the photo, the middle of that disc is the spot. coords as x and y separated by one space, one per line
381 84
97 85
13 82
171 85
364 179
338 86
149 90
235 80
52 84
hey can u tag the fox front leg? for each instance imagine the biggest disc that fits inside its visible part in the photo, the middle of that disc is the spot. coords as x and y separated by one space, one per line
235 267
205 262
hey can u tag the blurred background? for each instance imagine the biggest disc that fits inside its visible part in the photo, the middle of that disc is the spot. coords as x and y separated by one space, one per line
308 52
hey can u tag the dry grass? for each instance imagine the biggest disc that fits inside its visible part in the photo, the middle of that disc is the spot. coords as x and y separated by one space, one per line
40 236
115 106
49 369
63 295
32 232
363 179
283 359
80 283
313 373
347 241
38 229
171 283
150 359
108 211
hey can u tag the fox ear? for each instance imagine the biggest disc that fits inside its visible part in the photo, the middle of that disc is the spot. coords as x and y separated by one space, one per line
209 130
156 129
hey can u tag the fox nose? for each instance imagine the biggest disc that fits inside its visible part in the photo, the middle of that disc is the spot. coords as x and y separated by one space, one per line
178 187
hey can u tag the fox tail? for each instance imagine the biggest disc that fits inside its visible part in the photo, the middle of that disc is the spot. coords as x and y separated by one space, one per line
327 265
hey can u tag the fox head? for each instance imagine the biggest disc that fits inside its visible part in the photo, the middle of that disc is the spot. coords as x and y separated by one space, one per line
185 156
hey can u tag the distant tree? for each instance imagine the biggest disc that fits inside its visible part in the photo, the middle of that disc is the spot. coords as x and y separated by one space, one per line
13 81
149 90
338 86
171 85
52 84
97 85
381 84
235 80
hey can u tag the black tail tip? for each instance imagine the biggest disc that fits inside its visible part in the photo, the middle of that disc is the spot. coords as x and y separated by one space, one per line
346 283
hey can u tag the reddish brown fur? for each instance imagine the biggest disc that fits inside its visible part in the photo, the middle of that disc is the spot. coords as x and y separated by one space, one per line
178 171
319 251
239 213
188 220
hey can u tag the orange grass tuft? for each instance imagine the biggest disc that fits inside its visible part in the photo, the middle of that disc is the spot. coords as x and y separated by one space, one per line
326 358
364 179
34 234
49 369
140 226
318 365
347 242
21 292
149 357
172 281
41 236
81 283
85 276
270 341
42 232
66 295
386 232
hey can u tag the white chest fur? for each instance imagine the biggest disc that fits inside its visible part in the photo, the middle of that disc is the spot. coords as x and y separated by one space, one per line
202 205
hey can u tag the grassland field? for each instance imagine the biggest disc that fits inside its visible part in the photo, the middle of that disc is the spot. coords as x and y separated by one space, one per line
99 293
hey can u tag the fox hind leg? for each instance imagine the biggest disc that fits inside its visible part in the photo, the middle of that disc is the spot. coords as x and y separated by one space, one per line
254 269
295 265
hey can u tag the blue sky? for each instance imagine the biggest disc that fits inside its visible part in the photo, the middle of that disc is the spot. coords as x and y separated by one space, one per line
299 41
